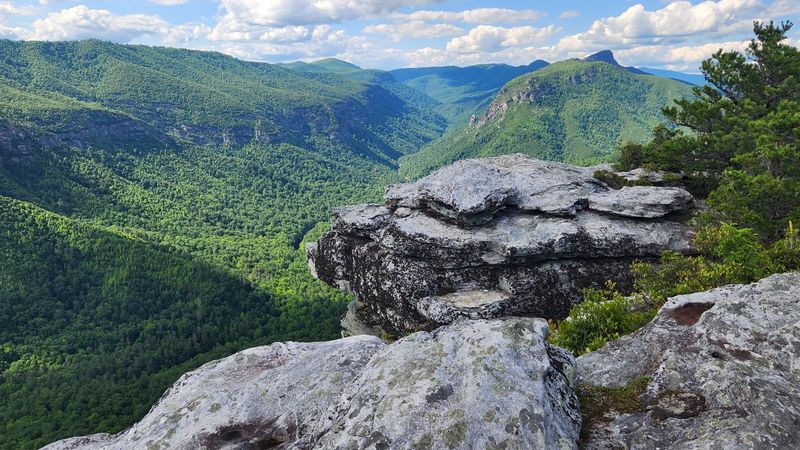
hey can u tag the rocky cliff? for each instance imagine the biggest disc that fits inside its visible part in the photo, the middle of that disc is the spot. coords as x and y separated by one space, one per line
491 237
475 384
718 369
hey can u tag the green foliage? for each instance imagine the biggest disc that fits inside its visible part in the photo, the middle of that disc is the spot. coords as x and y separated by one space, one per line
154 208
741 149
462 91
730 255
602 316
738 143
571 111
95 323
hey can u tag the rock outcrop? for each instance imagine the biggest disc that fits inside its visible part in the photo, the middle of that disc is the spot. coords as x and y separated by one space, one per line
473 384
491 237
722 370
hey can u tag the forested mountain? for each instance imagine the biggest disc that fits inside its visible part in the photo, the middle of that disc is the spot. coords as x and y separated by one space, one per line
575 111
463 91
380 77
154 203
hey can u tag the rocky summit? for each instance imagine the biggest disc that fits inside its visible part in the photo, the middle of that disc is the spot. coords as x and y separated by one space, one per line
718 369
491 237
474 384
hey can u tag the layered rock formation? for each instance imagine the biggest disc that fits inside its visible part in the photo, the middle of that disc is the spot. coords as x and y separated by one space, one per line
474 384
491 237
722 370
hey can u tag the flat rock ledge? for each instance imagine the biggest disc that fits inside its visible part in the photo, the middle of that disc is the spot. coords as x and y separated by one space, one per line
721 369
492 237
474 384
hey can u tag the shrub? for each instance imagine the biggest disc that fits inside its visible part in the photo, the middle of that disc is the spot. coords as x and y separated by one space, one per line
731 255
604 315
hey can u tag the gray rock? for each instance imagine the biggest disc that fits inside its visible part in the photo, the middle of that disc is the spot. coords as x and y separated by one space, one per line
473 384
642 201
258 398
470 191
640 174
511 225
724 371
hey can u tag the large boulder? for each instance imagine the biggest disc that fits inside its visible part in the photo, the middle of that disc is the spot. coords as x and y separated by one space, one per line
716 369
491 237
261 397
473 384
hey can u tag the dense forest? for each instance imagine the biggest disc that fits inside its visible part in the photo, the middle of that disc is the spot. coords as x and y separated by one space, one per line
462 91
155 202
154 206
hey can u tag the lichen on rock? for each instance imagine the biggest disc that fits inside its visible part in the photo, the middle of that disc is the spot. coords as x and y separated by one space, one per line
473 384
490 237
723 369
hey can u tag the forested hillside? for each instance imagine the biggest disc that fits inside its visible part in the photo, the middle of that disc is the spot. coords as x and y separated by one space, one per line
462 91
573 111
154 203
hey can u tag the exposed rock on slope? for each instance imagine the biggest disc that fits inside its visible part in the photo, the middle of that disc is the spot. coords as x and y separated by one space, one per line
474 384
491 237
723 369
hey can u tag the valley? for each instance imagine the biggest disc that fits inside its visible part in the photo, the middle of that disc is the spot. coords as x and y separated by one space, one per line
155 202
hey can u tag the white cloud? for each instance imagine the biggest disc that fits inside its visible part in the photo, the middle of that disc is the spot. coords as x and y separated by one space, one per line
279 13
783 8
9 9
685 58
676 22
81 22
487 38
169 2
570 13
414 29
287 34
477 15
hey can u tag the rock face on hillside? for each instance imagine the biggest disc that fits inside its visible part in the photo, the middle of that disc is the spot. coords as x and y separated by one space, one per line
474 384
491 237
723 369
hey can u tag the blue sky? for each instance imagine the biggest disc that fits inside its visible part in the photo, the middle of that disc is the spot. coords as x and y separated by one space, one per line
399 33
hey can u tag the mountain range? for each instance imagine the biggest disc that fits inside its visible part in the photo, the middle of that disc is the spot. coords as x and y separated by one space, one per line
155 202
577 111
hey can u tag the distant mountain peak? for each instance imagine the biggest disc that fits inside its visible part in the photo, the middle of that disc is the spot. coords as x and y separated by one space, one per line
334 62
607 56
603 56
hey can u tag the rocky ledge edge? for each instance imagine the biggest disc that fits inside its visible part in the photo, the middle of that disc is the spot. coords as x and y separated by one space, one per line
714 369
493 237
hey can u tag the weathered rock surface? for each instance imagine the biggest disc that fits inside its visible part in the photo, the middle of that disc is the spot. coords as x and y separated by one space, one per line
492 237
262 397
473 384
723 369
641 201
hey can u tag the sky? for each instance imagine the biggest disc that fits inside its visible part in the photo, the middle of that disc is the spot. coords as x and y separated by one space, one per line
386 34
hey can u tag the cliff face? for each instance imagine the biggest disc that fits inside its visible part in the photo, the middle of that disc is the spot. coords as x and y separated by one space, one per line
492 237
475 384
717 369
